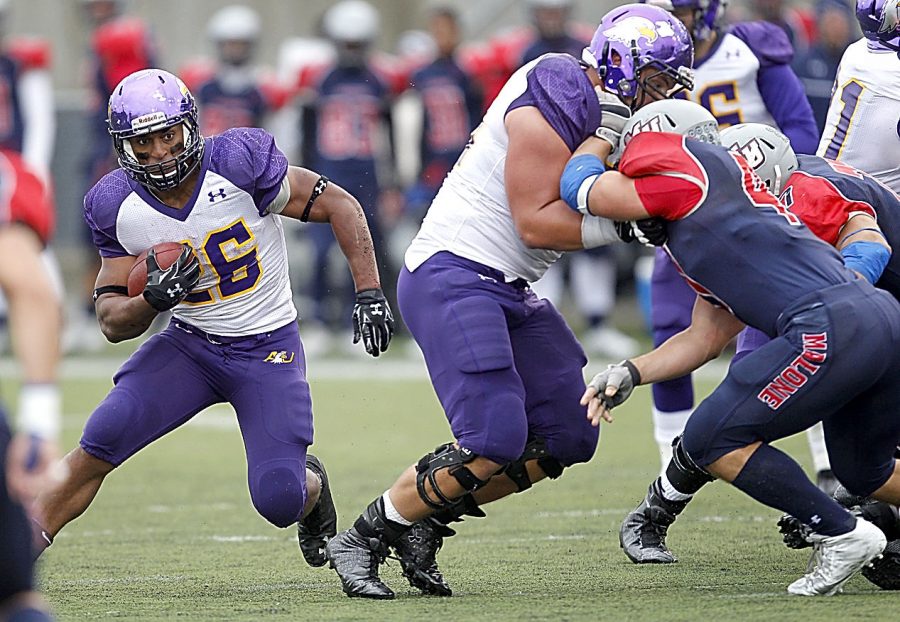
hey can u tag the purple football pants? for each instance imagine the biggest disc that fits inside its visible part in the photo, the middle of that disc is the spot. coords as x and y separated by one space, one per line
504 364
182 370
672 303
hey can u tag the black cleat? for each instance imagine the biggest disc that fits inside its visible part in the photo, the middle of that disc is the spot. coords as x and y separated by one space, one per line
356 560
643 532
320 525
884 571
794 534
417 550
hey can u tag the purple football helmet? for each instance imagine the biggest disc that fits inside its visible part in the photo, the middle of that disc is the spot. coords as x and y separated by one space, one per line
148 101
634 37
879 20
706 14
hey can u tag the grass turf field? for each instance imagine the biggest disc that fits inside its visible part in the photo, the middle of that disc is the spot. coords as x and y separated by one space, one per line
172 535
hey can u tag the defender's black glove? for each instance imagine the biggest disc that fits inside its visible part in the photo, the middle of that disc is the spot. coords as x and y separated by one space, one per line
647 231
166 288
373 321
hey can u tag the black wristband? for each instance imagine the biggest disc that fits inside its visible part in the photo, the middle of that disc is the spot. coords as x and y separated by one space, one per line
317 190
635 374
110 289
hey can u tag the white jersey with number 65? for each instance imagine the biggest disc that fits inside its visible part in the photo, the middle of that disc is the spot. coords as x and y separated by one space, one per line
863 124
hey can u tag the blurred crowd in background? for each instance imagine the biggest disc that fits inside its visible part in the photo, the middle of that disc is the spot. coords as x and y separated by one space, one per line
387 125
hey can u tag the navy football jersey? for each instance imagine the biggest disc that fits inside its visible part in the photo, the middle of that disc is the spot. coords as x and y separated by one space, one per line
734 242
825 194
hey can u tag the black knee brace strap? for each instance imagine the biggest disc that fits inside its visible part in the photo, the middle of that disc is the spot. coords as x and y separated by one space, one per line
684 474
453 459
535 449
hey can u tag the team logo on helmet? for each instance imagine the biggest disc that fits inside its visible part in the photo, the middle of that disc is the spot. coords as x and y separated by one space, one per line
636 28
752 152
651 124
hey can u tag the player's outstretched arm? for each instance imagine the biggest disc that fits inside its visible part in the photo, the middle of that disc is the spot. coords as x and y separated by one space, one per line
314 200
35 318
120 316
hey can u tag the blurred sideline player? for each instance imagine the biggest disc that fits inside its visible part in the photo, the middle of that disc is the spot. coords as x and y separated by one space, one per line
233 91
233 337
831 358
35 318
741 74
504 364
347 136
846 208
120 44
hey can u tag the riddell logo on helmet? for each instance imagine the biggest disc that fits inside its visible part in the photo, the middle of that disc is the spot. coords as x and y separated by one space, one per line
635 28
148 120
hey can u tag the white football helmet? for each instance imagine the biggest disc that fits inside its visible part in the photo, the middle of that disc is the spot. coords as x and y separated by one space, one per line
678 116
234 23
766 149
352 21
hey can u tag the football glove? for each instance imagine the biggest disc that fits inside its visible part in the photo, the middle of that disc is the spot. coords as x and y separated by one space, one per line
613 117
648 231
166 288
373 322
623 376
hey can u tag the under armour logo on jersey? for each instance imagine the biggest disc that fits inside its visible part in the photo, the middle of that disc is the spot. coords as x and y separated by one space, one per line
220 194
281 357
730 53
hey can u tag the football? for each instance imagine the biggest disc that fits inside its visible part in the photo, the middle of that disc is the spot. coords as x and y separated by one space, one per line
166 254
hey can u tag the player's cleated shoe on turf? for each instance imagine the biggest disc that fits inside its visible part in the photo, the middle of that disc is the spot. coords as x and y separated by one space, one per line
794 534
417 550
838 558
884 571
316 528
643 532
356 560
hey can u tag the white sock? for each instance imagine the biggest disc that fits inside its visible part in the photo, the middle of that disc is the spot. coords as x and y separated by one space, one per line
666 426
391 512
669 491
816 437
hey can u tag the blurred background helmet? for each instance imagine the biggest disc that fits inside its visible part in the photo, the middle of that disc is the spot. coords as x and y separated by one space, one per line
148 101
235 31
878 20
706 13
351 21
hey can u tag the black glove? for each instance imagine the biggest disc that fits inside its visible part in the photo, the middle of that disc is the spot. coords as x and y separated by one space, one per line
647 231
166 288
373 321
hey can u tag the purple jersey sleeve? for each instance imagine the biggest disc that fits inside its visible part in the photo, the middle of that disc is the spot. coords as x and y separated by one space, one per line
782 92
101 209
559 88
768 42
249 158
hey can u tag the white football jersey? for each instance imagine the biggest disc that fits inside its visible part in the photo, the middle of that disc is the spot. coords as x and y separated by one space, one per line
862 128
470 216
725 84
244 287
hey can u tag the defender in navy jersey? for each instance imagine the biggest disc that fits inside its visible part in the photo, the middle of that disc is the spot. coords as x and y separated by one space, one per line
233 337
496 225
742 74
851 211
752 262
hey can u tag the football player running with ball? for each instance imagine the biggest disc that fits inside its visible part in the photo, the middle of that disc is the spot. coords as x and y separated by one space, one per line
233 336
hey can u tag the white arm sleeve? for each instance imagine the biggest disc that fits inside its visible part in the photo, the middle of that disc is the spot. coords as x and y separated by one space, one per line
36 101
281 199
597 231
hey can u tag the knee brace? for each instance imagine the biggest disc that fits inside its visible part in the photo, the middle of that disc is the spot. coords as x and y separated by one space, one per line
452 459
535 449
683 473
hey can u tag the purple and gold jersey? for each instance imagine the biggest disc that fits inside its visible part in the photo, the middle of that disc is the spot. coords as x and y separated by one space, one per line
722 209
244 287
470 216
